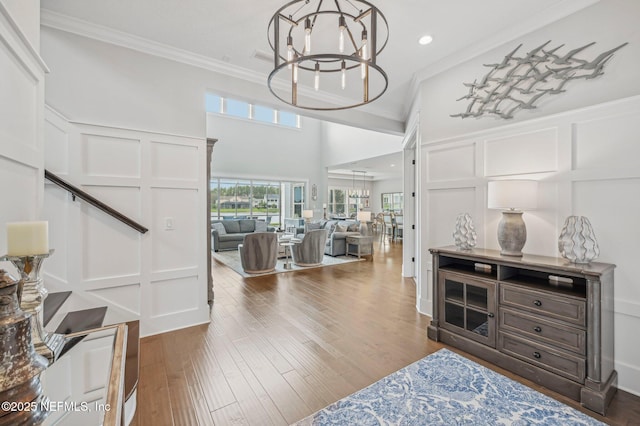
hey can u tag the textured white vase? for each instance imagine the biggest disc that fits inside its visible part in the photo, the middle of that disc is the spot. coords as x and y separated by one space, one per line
464 235
577 242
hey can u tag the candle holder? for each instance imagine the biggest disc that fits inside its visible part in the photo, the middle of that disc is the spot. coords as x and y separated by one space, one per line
31 295
19 363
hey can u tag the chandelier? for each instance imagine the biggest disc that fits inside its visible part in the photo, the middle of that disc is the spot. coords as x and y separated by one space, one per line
325 54
358 193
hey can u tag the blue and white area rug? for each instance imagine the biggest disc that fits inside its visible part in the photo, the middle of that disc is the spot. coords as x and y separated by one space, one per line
447 389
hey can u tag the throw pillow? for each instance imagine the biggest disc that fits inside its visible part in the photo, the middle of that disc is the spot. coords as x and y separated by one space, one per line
353 227
312 225
341 228
219 227
261 226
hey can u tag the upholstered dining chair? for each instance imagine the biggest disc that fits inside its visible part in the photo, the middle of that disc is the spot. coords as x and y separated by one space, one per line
259 252
310 252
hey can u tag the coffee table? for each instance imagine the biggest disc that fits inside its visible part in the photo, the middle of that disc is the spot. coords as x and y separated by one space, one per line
359 245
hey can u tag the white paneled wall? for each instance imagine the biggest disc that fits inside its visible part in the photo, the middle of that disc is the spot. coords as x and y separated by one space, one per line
21 111
587 164
158 181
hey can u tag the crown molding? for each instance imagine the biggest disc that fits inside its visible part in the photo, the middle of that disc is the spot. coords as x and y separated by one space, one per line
108 35
529 25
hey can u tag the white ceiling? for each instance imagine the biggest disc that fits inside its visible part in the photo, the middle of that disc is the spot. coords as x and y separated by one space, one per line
230 33
378 168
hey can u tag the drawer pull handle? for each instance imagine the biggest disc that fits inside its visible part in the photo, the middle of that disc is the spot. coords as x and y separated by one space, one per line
537 355
537 329
537 303
490 315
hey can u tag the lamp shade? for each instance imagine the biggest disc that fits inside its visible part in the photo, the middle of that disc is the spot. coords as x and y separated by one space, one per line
364 216
513 194
307 214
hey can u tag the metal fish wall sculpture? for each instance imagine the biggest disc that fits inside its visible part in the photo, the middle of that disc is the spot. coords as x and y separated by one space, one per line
518 82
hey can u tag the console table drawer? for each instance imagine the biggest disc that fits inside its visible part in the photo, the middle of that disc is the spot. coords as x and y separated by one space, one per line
557 361
560 307
548 332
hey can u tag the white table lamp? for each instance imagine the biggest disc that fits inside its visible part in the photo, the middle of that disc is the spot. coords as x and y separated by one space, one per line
512 197
364 218
307 215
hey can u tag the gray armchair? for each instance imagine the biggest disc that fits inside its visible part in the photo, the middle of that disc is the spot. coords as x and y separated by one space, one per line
310 251
259 252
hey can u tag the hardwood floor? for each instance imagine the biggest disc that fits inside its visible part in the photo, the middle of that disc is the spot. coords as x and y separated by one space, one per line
280 347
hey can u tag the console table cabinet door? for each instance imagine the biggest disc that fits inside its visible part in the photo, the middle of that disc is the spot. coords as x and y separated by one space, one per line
468 306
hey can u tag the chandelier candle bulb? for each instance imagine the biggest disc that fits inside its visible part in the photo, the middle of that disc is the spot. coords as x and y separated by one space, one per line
27 238
342 24
307 36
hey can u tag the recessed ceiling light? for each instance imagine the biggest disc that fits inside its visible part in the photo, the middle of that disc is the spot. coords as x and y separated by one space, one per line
425 39
392 165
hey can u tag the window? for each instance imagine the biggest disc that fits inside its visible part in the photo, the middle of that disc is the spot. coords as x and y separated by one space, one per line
392 201
213 103
298 200
263 114
240 109
270 201
288 119
237 108
337 201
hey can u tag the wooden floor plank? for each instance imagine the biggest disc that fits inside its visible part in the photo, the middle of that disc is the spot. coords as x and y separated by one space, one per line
281 346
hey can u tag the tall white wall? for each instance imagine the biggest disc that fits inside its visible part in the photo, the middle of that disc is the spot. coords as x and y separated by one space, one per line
344 144
266 151
21 109
581 145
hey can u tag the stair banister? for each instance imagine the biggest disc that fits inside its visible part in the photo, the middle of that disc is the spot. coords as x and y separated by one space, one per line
77 192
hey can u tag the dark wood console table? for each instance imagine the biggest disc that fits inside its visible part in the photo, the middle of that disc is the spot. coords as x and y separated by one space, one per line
543 318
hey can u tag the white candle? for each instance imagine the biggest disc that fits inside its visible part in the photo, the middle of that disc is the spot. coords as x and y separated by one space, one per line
27 238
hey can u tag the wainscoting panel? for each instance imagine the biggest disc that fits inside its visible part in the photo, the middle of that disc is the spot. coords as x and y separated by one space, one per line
58 217
173 246
20 86
442 219
57 148
451 163
174 161
101 233
124 296
607 142
607 203
125 199
21 179
531 152
99 159
170 297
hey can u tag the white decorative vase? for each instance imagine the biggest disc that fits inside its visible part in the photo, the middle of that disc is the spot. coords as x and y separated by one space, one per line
577 242
464 235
